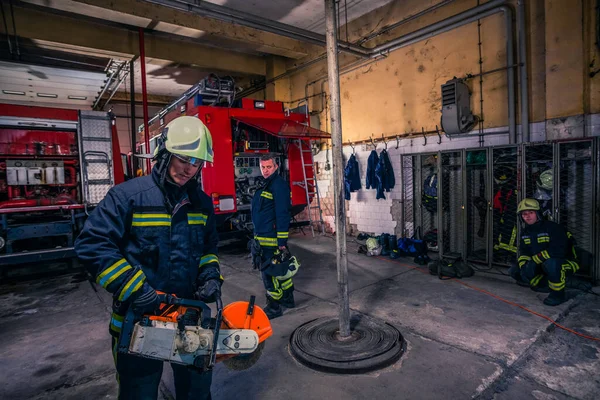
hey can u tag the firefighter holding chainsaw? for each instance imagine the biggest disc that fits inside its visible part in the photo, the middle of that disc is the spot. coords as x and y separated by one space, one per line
271 219
154 234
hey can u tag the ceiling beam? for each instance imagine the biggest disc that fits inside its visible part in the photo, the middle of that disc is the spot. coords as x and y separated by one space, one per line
208 29
38 24
153 100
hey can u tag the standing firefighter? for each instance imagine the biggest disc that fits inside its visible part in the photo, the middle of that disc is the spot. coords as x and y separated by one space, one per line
546 254
271 219
157 233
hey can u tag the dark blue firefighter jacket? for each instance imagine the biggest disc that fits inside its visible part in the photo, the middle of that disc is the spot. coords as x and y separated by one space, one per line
135 241
385 175
371 165
271 212
351 177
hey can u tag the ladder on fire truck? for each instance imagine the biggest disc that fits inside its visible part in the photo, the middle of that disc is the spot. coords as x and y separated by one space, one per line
310 186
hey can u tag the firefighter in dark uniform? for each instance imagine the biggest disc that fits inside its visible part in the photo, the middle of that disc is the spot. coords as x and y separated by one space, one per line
546 254
157 233
271 219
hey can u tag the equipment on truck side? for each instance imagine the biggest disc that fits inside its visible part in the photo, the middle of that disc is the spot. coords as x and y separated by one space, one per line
55 164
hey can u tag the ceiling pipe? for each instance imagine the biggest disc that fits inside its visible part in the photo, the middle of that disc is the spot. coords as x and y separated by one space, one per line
393 26
436 27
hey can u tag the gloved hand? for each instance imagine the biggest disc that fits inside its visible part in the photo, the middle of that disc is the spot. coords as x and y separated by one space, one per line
148 302
209 292
529 271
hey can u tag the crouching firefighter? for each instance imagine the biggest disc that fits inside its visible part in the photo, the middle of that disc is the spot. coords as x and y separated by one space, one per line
157 233
546 254
271 219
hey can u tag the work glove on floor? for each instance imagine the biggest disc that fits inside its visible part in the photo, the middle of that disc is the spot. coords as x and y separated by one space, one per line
209 292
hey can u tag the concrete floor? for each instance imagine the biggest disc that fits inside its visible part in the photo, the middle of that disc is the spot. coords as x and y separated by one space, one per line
460 342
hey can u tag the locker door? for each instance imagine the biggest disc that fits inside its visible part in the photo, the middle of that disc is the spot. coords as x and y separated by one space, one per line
575 186
451 204
477 205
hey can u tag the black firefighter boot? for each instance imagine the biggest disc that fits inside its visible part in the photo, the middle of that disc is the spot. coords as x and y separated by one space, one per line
273 308
288 298
385 247
555 298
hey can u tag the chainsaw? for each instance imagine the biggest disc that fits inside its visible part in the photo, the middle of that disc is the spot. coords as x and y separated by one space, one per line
183 332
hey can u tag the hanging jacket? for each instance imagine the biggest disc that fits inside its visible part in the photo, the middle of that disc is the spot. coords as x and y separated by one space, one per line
271 212
384 174
351 177
136 240
371 166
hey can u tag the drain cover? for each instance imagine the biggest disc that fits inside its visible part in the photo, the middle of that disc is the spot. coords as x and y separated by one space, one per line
372 345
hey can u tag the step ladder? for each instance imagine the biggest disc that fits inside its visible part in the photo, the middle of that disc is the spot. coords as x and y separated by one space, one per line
310 184
95 152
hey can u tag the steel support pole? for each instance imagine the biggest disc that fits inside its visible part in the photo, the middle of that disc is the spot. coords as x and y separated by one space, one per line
338 182
144 97
132 105
524 82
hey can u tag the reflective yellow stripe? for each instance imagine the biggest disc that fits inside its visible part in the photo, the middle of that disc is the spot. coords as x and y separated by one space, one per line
267 195
285 285
536 259
151 220
283 235
505 246
266 241
574 266
513 239
113 272
543 239
527 241
569 235
545 254
197 219
277 293
556 286
134 283
116 322
536 280
209 258
523 260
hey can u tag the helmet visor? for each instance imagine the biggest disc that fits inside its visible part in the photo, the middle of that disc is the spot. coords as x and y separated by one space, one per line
195 162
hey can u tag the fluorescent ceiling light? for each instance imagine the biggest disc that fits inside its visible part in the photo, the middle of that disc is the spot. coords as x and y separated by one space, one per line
77 97
51 95
15 92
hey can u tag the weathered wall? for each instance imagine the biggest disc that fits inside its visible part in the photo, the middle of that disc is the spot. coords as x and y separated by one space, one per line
401 93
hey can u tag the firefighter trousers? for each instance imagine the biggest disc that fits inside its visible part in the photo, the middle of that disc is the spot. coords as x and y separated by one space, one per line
273 286
139 378
555 271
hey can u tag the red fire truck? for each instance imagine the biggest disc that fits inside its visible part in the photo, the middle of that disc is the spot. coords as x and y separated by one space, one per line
55 164
242 131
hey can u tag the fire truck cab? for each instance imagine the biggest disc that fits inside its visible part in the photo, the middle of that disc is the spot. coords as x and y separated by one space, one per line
242 131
